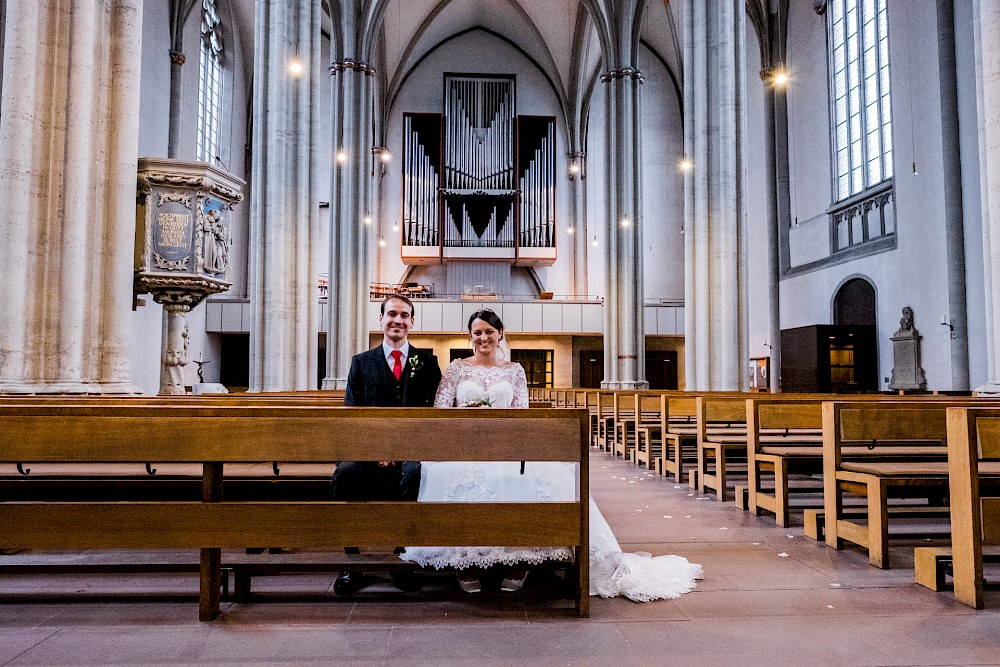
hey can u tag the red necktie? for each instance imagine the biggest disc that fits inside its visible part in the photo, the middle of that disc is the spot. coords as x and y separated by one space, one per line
397 364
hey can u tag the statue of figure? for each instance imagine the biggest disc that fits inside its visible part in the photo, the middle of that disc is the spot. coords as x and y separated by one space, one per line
215 243
906 371
906 324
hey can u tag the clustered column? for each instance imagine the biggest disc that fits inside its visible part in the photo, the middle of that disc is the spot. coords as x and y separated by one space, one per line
624 334
350 219
578 222
69 126
284 213
714 198
988 82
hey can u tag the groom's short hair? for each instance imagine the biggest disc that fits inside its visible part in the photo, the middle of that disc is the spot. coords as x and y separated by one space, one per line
398 297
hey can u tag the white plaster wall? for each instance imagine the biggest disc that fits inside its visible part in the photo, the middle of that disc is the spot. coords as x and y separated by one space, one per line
914 274
809 120
473 52
662 182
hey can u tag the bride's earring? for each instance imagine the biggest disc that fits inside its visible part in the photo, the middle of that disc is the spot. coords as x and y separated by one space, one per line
500 353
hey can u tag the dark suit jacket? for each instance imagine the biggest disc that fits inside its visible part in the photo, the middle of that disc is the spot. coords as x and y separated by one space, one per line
371 382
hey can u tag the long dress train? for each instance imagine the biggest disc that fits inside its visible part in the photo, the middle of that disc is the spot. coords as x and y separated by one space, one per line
637 576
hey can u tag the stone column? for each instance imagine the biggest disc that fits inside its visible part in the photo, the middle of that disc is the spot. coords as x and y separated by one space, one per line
778 210
988 94
69 122
624 334
351 238
284 213
716 350
578 197
954 211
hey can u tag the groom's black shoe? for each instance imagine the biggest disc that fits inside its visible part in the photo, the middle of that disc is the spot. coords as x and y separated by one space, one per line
348 583
408 582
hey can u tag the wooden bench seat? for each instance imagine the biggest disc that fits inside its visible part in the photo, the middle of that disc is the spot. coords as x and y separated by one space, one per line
797 456
974 501
215 437
907 460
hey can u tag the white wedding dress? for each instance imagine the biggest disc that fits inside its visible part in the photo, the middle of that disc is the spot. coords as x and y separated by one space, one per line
637 576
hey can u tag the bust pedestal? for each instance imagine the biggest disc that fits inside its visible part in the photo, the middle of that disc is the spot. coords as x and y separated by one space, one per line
906 370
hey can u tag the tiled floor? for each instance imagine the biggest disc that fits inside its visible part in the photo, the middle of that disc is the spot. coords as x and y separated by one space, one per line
770 596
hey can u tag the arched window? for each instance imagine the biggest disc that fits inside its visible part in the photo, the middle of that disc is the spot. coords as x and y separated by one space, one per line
209 83
855 303
859 71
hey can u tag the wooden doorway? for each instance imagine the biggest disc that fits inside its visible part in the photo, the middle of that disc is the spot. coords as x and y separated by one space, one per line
591 368
661 369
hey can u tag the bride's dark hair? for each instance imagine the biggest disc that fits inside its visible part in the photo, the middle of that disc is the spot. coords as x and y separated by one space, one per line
488 316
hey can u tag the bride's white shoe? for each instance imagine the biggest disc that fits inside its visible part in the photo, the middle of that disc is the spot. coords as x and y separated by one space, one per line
468 580
514 581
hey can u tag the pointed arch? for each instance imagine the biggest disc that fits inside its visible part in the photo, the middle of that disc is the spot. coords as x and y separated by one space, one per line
396 88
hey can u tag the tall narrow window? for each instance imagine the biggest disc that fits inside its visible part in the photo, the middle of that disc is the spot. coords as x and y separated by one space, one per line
210 83
859 66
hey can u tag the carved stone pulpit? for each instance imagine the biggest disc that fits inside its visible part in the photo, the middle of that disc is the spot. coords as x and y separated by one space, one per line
906 370
182 245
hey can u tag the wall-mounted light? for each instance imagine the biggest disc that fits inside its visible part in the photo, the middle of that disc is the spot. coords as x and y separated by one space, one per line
341 156
395 228
368 220
570 230
946 323
624 222
685 165
386 156
295 68
595 241
781 78
381 242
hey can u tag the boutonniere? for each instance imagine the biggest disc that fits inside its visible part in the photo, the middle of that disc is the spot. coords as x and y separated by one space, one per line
416 363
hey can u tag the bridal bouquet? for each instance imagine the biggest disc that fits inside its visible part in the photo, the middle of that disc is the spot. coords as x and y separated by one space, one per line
485 402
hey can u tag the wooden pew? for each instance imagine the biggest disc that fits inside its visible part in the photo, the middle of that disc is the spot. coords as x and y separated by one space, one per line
678 435
623 412
605 420
721 433
906 459
974 494
216 437
649 406
635 410
783 436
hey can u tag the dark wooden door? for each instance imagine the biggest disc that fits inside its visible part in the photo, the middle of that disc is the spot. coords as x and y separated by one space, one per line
661 369
591 368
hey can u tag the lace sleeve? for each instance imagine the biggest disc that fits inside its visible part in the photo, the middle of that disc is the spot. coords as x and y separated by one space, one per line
445 397
520 399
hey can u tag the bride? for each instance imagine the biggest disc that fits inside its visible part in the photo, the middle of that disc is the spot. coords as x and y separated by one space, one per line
487 380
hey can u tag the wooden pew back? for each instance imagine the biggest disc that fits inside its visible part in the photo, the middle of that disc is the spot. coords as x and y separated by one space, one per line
215 436
973 440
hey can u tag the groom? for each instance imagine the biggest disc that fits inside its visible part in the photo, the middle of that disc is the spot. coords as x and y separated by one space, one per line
393 374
